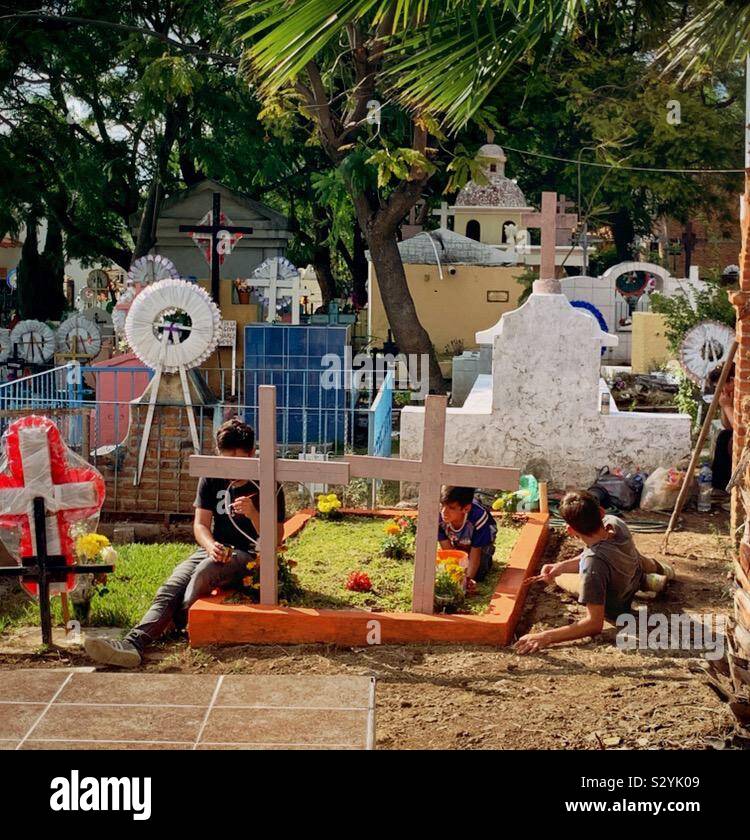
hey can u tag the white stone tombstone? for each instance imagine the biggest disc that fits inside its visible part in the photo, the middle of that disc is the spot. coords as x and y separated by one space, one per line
539 411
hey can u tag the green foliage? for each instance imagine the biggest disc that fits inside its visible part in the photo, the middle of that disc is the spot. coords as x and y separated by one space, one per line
688 397
139 572
400 164
680 315
399 542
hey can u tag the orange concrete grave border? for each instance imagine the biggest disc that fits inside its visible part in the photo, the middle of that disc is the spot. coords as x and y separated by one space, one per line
213 622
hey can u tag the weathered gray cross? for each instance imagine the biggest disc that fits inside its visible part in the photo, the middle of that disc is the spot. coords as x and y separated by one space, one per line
431 472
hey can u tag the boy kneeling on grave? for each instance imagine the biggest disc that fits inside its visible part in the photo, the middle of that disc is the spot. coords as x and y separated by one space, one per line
611 571
226 527
466 525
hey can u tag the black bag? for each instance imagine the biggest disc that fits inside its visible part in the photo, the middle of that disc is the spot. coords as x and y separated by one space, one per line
616 490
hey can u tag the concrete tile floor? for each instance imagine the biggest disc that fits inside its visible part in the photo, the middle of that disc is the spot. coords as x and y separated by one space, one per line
69 709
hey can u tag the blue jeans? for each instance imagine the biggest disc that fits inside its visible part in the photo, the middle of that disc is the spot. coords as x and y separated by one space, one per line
194 578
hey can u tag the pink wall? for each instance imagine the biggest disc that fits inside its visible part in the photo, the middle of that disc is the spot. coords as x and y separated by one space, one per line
115 389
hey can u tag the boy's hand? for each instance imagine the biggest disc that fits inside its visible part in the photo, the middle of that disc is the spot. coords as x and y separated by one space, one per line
244 506
531 643
548 573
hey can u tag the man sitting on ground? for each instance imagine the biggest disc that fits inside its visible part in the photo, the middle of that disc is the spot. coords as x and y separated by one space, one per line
226 527
611 570
466 525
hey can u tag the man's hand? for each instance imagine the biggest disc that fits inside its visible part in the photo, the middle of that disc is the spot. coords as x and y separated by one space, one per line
244 506
531 643
217 553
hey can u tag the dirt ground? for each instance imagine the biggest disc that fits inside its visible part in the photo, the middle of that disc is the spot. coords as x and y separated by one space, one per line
585 695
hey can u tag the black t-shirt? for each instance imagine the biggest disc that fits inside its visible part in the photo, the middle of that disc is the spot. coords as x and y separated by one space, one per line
216 495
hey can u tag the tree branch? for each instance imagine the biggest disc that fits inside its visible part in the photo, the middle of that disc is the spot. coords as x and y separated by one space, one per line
54 21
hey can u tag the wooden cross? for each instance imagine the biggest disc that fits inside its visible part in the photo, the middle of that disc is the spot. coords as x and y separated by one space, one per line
217 233
550 221
267 470
431 473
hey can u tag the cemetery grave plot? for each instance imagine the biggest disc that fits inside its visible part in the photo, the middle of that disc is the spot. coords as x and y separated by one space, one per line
214 621
84 710
326 612
327 552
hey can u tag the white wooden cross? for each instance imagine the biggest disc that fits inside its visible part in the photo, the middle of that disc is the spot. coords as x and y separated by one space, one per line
550 221
443 213
267 276
431 473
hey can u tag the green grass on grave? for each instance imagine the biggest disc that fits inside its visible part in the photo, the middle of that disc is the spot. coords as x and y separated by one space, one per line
327 551
140 571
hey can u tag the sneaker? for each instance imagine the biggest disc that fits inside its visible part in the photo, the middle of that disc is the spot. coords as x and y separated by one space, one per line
655 583
113 652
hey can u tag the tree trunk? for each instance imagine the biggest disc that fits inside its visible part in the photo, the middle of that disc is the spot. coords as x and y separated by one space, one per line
411 337
623 233
360 268
149 218
40 276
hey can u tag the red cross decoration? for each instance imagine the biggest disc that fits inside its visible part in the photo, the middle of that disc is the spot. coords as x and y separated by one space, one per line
205 241
38 463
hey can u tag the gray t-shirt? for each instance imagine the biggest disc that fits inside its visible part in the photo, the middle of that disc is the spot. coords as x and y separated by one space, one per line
611 570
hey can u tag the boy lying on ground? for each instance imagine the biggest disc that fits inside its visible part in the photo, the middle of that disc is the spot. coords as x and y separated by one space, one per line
466 525
226 527
611 570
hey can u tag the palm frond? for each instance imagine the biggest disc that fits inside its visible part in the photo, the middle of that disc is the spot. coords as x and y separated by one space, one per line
441 57
718 34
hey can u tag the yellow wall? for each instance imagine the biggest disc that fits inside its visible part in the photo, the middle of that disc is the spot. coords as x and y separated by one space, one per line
491 223
649 341
454 307
242 313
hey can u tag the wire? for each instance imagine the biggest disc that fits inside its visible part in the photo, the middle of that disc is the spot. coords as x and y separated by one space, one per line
629 168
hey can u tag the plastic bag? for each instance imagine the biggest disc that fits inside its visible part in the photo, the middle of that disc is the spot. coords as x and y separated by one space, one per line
37 463
661 488
613 489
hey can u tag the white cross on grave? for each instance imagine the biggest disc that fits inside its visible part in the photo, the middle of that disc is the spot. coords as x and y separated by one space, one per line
34 450
550 222
277 275
443 213
431 473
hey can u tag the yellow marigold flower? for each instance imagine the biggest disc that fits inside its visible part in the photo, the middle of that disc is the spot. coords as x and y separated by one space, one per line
332 497
251 565
89 545
392 529
497 504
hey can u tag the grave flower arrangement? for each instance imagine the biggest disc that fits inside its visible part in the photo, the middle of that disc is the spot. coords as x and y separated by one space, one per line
288 584
506 504
399 540
329 506
450 584
359 582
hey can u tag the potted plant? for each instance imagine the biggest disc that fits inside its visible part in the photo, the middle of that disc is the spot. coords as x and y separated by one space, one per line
244 289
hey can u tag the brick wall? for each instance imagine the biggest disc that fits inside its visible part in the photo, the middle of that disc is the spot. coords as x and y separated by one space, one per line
717 241
165 486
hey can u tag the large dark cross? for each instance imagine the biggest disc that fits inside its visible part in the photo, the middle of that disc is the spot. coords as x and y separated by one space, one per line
214 229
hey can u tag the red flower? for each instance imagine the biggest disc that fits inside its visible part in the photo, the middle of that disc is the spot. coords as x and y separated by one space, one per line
358 582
